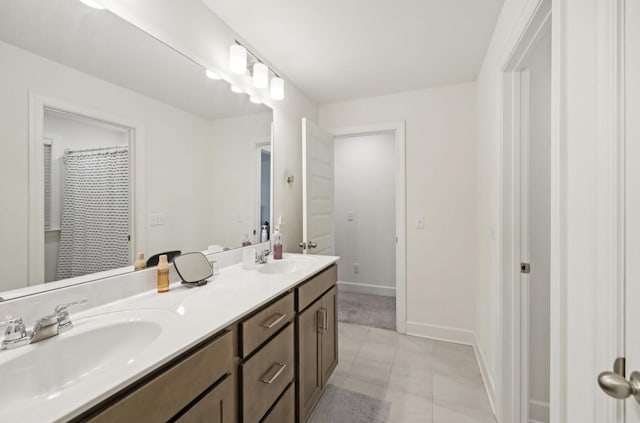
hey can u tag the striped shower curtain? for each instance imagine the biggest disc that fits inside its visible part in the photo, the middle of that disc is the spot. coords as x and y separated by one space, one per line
95 213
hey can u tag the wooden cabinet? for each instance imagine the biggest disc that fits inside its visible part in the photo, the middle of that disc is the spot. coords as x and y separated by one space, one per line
217 406
317 339
269 367
285 409
177 389
267 374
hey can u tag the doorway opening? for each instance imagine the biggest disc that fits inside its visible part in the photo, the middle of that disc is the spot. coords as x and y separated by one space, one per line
76 152
87 186
364 221
526 224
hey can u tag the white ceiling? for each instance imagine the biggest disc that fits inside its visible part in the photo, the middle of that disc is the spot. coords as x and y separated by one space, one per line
337 50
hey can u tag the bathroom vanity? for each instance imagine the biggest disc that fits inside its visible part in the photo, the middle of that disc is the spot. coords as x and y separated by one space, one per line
254 345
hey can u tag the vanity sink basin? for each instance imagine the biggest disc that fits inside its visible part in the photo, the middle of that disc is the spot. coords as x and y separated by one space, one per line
286 265
95 345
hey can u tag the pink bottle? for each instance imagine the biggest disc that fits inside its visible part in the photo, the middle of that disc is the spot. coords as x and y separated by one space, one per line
276 241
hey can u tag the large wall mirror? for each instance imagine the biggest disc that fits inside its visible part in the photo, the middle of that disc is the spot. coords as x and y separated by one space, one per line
114 143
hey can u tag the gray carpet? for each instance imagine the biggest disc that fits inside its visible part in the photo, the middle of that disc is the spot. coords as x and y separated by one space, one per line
367 310
339 405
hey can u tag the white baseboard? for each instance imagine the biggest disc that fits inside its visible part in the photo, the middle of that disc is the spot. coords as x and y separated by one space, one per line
365 288
486 377
441 333
538 411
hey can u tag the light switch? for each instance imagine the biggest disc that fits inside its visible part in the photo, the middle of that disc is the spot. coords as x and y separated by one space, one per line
419 221
281 220
157 219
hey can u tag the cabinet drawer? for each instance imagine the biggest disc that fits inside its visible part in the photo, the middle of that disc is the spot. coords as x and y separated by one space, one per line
266 375
285 410
259 327
215 407
316 286
163 397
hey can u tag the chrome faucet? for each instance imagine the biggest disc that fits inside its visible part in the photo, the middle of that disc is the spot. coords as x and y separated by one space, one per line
17 335
261 258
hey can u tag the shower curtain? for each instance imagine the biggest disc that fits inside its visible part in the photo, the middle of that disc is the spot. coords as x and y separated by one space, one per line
95 213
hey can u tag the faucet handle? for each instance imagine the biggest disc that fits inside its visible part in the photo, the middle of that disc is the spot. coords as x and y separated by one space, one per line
16 333
64 323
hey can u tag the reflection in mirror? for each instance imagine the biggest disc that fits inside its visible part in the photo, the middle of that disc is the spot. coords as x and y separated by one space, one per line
86 169
193 268
186 145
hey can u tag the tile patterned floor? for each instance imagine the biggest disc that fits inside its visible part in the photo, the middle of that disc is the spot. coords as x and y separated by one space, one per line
426 381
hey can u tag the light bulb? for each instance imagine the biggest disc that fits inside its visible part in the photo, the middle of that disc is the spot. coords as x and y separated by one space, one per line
238 59
260 75
255 100
213 75
236 89
92 3
277 88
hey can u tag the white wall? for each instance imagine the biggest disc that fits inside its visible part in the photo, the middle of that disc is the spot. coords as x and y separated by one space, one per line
440 163
234 164
193 29
178 150
539 67
364 190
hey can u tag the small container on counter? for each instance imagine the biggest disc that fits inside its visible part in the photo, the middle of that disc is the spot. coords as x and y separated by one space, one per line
163 274
140 262
276 240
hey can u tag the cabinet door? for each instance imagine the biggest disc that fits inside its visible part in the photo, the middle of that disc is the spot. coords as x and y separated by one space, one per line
329 313
310 373
216 407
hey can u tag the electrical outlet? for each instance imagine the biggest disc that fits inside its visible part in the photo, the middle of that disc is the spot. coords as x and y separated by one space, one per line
350 216
419 221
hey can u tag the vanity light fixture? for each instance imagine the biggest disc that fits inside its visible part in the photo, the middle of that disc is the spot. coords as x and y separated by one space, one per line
277 88
260 75
241 59
92 3
212 75
238 59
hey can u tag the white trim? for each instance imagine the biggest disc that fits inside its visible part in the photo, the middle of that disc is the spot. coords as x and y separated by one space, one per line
609 309
37 105
489 386
511 404
440 333
365 288
540 411
398 128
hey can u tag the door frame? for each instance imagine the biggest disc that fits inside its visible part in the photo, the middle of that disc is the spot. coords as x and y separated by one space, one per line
515 182
398 130
605 339
137 169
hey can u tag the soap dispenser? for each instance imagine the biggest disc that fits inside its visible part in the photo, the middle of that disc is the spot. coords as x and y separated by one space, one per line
277 244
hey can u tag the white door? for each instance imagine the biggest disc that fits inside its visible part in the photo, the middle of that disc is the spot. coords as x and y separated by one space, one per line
317 190
632 198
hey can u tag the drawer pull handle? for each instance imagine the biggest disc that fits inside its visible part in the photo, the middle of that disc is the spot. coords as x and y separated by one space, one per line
273 373
275 319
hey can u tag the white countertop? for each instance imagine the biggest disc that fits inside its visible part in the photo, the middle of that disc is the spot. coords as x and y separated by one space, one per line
192 315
